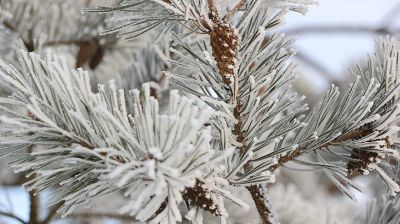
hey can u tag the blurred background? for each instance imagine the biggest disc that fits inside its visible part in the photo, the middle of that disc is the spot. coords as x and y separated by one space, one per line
330 38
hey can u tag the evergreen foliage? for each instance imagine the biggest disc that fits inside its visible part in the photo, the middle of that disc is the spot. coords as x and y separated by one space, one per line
235 121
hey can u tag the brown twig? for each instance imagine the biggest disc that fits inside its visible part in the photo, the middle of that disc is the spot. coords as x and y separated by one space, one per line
52 214
34 208
339 29
234 10
101 215
212 7
259 201
356 134
12 216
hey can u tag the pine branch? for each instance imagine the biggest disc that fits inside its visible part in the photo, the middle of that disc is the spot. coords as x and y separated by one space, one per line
224 41
354 135
102 145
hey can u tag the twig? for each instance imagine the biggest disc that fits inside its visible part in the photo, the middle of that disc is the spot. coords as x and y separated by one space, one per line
100 215
260 203
212 7
34 208
234 10
34 215
339 29
356 134
10 215
52 214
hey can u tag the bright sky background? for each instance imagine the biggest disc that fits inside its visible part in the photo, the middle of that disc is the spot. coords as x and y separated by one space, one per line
335 52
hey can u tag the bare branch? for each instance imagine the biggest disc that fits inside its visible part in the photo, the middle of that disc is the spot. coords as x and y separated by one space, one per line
234 10
52 214
339 29
101 215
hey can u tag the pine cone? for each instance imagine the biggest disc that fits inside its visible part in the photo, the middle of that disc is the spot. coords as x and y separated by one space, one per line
225 42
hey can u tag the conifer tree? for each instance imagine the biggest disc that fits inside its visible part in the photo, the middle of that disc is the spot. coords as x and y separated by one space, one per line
201 109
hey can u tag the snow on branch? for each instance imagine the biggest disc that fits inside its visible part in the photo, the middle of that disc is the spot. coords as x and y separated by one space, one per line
30 20
359 127
132 18
89 144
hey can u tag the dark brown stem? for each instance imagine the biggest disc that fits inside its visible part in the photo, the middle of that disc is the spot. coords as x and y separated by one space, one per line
52 214
261 205
101 215
34 217
339 29
356 134
234 10
34 207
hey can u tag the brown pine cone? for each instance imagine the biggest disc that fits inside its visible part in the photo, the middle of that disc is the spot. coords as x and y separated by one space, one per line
225 44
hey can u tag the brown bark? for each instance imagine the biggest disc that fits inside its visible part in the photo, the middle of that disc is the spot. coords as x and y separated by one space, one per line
263 210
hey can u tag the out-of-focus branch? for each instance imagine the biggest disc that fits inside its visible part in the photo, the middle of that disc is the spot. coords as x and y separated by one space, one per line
234 10
306 59
100 215
34 208
12 216
52 214
17 181
326 29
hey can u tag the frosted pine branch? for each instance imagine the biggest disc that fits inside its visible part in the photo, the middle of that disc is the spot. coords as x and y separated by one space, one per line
236 123
93 146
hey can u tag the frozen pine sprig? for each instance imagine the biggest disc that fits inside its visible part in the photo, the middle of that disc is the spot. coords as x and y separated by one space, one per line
359 126
265 107
30 20
238 123
132 18
89 144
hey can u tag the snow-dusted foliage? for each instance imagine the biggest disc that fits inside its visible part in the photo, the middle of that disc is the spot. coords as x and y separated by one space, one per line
237 122
31 19
88 144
